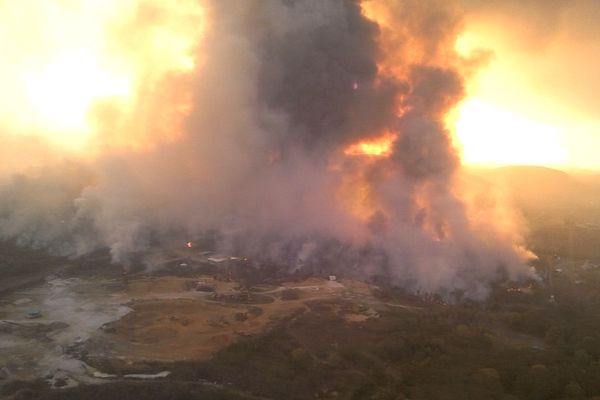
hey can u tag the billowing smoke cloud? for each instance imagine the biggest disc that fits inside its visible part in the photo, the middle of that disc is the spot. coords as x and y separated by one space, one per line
282 89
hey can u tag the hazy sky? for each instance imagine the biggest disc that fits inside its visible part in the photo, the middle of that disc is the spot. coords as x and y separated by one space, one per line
537 100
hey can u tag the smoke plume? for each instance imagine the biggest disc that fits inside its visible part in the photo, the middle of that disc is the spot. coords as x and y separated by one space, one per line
259 157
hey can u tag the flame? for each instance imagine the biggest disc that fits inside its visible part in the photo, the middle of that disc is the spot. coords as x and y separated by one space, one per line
377 147
80 69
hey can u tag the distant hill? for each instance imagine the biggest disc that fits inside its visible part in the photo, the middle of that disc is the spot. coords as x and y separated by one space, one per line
534 186
591 178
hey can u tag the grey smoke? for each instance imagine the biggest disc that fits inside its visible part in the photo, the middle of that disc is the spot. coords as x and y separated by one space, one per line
285 86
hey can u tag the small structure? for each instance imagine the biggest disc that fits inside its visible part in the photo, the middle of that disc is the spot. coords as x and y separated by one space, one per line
588 265
162 374
33 313
332 278
216 259
205 287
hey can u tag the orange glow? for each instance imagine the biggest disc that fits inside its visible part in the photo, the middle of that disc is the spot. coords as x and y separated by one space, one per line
378 147
527 105
401 46
64 89
354 194
492 136
503 122
86 67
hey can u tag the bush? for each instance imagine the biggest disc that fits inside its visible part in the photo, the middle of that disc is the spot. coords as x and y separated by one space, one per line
573 391
290 294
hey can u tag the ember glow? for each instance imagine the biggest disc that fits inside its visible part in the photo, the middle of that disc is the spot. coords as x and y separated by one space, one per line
378 147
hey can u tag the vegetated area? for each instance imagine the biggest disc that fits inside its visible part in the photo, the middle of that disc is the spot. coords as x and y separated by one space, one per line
561 211
537 340
516 345
21 267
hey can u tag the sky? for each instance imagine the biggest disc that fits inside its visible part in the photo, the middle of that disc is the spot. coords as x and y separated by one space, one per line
532 99
535 99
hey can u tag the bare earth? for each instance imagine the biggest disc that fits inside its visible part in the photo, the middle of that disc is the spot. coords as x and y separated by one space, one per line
146 319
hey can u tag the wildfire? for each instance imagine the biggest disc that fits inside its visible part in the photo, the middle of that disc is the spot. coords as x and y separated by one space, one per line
378 147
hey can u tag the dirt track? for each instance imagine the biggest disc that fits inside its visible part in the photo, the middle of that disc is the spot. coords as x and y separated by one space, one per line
145 319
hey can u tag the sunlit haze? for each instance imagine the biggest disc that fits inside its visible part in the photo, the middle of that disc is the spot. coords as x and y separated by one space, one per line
531 101
491 136
79 68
